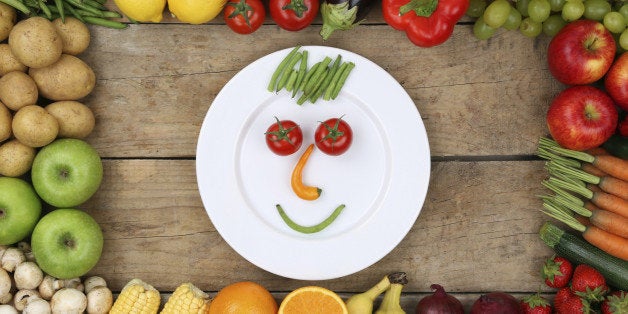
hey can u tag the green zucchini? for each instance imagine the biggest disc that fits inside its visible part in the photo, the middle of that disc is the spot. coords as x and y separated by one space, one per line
617 146
578 251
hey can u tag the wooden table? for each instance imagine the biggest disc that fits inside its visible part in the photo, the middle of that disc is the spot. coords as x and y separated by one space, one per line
483 104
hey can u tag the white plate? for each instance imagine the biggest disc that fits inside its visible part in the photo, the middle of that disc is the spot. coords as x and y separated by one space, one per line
382 179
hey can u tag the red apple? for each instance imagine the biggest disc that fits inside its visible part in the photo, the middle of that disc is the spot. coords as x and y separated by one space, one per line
582 117
581 52
616 81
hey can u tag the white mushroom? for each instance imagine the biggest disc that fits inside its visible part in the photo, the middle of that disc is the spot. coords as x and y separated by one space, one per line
7 309
2 249
23 296
28 252
28 275
11 258
68 301
49 285
93 282
37 306
5 286
74 283
99 300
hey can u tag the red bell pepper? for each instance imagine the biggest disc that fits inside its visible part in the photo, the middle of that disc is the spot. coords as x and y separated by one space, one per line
427 23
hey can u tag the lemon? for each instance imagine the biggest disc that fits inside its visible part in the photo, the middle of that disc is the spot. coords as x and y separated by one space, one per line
142 10
195 11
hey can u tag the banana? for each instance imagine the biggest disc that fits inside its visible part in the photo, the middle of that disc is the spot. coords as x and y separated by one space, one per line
362 303
390 303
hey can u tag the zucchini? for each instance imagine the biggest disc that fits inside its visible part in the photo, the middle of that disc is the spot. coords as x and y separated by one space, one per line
579 251
617 146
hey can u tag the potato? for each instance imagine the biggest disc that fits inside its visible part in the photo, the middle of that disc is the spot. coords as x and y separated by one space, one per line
35 42
15 158
75 119
74 34
5 122
8 16
67 79
34 126
8 61
18 89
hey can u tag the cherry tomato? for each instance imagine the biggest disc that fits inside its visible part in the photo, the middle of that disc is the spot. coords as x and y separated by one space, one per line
333 137
284 137
293 15
244 16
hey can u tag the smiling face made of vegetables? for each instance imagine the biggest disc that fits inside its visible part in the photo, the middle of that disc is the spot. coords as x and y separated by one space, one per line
333 137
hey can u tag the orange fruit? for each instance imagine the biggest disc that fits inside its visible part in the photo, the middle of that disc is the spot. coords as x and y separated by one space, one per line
312 300
243 297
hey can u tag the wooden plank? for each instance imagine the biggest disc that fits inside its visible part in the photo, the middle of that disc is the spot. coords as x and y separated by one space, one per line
477 231
156 82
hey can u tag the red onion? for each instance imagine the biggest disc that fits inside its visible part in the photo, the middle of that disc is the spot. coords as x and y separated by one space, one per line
496 303
439 303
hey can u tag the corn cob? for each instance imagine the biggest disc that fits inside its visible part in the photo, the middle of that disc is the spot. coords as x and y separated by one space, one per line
137 297
187 299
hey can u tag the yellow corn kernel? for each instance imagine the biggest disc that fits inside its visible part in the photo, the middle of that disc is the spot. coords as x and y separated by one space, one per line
137 297
187 299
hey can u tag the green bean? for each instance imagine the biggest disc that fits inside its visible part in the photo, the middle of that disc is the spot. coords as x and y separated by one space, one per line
342 80
334 69
291 80
17 5
283 79
45 9
301 74
104 22
94 4
334 81
309 229
280 68
316 92
73 12
308 75
60 10
317 74
83 6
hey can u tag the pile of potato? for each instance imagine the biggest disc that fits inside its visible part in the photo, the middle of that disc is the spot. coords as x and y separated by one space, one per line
42 82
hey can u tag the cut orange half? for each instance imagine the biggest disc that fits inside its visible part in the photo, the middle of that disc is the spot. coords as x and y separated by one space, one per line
312 300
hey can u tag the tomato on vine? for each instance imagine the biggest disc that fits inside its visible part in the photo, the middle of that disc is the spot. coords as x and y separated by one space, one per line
333 136
244 16
284 137
293 15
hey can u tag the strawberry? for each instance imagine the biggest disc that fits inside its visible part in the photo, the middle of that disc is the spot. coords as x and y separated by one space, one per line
567 302
588 283
557 272
535 304
615 303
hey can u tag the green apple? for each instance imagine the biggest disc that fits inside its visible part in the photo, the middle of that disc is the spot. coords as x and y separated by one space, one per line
67 243
20 209
66 172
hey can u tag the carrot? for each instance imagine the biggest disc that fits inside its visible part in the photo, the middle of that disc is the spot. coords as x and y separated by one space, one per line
614 166
611 203
614 186
610 222
606 241
590 206
591 169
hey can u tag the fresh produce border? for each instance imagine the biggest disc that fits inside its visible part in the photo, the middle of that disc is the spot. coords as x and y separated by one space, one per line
586 173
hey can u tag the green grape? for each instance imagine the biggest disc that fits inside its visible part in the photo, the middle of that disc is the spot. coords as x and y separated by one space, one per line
572 10
539 10
556 5
624 11
623 40
496 13
530 28
522 7
614 22
513 21
596 9
481 30
553 24
476 8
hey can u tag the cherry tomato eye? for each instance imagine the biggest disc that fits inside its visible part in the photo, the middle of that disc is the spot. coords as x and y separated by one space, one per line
284 137
333 136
